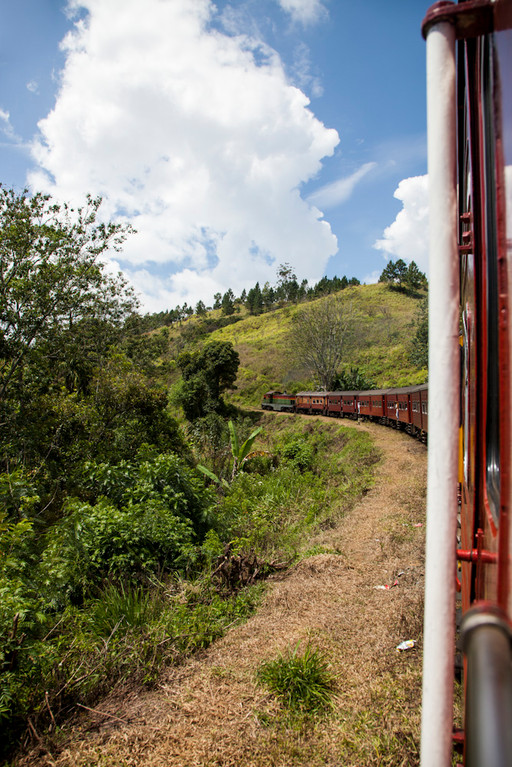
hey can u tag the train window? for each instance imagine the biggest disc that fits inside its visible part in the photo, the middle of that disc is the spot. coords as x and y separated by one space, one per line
492 436
424 409
415 407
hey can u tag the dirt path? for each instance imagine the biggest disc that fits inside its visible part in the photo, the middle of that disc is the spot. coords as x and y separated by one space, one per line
210 712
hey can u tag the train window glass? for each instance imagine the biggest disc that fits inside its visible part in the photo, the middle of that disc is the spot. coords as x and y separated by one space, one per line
424 408
492 435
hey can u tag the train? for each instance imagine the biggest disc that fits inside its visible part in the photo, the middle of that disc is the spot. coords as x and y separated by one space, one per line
404 408
469 531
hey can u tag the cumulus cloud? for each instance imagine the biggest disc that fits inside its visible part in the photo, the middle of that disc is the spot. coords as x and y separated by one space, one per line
305 11
407 236
193 135
339 191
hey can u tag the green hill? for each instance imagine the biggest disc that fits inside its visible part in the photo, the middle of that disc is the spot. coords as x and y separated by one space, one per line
383 331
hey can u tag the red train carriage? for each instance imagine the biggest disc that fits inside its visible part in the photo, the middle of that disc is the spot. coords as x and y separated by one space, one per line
311 402
404 408
363 404
391 407
419 411
377 405
469 73
349 403
334 404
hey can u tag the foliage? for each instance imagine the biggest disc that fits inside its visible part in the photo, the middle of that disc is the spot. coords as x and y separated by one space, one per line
301 680
419 345
299 452
241 454
318 337
95 542
402 277
352 379
56 303
207 373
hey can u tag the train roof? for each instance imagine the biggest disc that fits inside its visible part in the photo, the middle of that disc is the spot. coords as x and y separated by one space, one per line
370 392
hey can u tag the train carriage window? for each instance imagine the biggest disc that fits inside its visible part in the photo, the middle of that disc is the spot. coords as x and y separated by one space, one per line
424 408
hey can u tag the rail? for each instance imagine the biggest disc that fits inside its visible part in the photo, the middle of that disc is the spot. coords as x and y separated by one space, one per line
487 645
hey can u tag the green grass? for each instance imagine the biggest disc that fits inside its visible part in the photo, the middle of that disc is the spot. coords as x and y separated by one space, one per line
302 680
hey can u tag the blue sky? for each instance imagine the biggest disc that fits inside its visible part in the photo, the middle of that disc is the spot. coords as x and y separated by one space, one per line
234 136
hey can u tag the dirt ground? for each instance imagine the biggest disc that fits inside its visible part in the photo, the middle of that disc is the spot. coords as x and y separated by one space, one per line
210 712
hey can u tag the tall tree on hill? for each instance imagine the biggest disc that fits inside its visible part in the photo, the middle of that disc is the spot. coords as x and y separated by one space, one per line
207 373
319 335
254 300
228 305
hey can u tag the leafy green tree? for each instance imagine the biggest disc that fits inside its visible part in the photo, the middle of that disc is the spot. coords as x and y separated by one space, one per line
254 300
352 379
200 309
207 373
54 294
414 279
228 305
403 277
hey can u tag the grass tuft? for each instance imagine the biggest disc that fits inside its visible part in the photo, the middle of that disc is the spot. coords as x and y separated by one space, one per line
302 681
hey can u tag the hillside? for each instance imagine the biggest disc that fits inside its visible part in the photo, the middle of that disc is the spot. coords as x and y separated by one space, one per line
380 349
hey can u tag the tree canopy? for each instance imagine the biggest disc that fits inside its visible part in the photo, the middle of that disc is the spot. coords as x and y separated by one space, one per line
402 277
207 373
318 337
54 294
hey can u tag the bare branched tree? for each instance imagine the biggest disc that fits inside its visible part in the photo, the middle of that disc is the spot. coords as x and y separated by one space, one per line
319 336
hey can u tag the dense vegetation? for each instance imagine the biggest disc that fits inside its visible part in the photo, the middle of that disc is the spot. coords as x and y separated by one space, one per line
116 553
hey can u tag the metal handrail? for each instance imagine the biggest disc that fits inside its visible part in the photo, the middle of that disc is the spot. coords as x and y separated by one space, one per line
486 639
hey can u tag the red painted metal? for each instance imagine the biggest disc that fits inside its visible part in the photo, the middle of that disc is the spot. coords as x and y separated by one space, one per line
473 555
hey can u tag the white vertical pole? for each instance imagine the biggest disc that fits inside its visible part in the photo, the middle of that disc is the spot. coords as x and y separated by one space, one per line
439 629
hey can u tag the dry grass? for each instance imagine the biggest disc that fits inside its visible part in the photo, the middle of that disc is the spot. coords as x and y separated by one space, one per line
211 712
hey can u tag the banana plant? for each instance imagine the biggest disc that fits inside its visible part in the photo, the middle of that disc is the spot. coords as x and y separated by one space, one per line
241 454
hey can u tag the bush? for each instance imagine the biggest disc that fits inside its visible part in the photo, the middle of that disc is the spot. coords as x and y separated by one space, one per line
93 542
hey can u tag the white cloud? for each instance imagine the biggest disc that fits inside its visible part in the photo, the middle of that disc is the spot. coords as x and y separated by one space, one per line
194 136
339 191
305 11
33 86
6 127
407 236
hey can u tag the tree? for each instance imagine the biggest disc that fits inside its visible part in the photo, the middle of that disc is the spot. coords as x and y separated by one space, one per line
319 335
403 277
414 280
228 306
206 375
200 309
54 295
254 300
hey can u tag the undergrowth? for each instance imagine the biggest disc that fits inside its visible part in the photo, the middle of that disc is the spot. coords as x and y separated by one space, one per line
90 621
